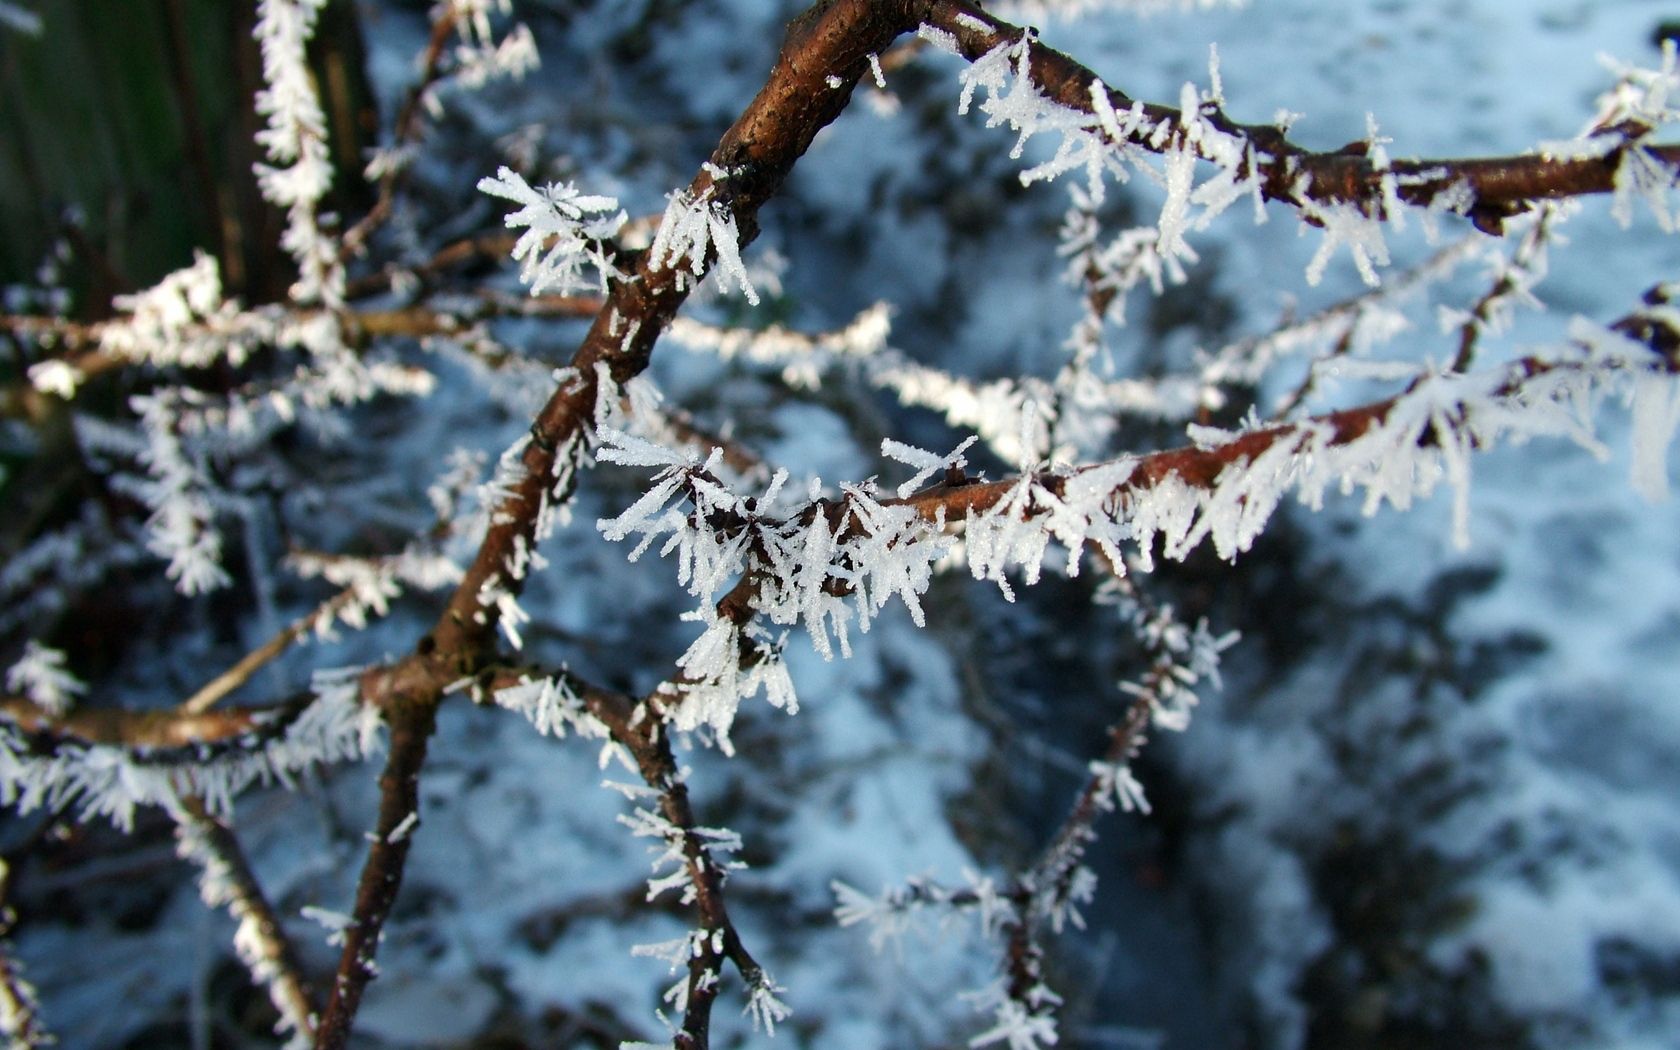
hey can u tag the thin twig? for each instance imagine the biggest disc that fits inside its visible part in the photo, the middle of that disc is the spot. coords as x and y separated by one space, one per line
405 131
214 691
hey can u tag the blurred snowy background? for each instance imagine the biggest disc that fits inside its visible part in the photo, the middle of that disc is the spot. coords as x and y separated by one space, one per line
1434 805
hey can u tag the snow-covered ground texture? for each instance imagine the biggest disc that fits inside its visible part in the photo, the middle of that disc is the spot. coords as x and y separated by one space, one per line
1433 805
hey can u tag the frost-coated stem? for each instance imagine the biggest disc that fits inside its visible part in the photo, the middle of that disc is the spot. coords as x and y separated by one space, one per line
227 879
1489 189
20 1018
1200 466
1514 280
830 41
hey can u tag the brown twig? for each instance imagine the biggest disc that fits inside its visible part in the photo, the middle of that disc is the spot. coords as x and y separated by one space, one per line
214 691
146 729
634 726
411 720
456 253
1509 283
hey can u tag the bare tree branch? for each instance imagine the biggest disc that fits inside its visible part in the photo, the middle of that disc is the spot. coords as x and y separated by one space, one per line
411 721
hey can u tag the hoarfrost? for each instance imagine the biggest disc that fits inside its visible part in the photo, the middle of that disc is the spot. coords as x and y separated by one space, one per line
564 231
40 675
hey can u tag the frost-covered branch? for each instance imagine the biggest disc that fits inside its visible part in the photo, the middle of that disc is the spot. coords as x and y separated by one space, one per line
1051 891
20 1017
108 762
1035 88
697 854
1225 487
82 352
1512 284
299 171
824 56
479 56
691 859
1179 657
226 880
139 729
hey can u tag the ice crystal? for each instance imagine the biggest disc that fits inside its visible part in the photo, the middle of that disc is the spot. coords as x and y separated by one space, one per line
563 232
40 675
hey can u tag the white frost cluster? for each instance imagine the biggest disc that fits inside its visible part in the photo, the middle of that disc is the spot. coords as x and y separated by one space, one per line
1184 657
897 910
1018 1024
764 1003
371 584
181 528
1012 98
670 863
552 708
564 231
1110 142
1630 115
802 358
40 675
182 321
480 57
673 870
806 559
1016 533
